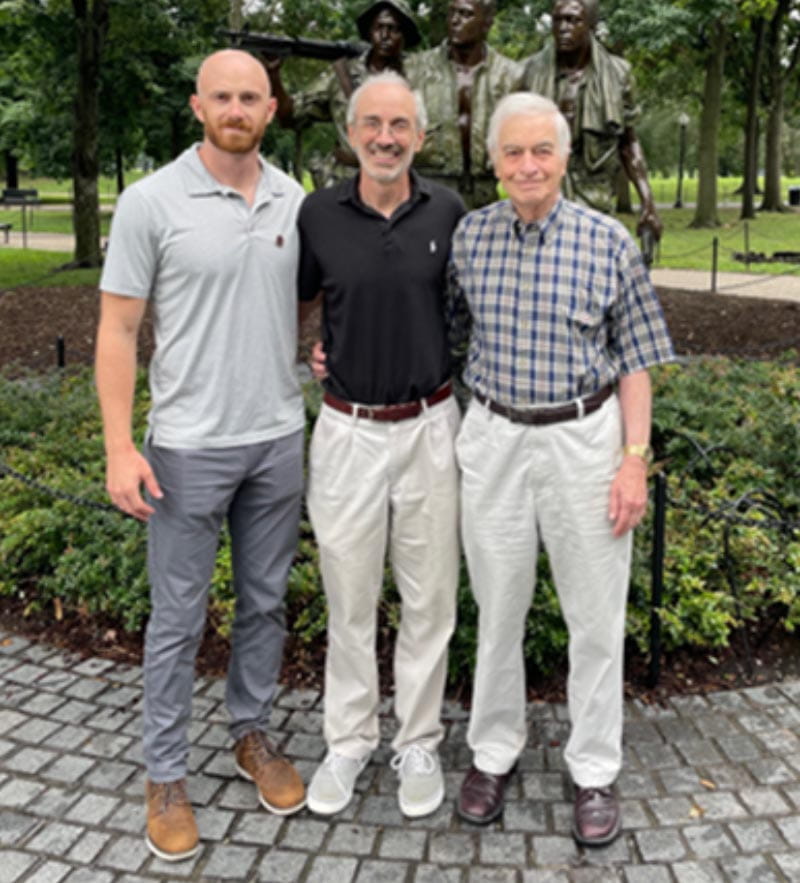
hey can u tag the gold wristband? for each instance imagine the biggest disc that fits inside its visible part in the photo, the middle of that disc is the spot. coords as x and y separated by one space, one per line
643 451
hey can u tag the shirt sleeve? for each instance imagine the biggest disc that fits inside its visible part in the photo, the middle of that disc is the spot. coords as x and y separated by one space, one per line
457 313
639 336
131 263
309 272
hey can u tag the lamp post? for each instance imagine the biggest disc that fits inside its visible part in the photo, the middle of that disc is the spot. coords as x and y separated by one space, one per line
683 122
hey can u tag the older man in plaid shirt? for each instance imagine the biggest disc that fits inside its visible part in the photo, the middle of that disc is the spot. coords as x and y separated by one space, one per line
554 447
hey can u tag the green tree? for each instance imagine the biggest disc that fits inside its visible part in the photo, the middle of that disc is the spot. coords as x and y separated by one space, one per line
98 82
783 52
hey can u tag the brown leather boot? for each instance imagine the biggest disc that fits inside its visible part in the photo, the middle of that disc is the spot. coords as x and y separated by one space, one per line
171 828
280 788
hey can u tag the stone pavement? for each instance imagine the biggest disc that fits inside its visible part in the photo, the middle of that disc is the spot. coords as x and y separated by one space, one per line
710 791
783 287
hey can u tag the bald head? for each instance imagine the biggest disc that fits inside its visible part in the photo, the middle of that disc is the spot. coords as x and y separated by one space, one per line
226 63
233 101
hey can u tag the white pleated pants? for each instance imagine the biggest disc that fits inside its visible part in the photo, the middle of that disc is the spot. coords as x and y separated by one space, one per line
371 484
520 484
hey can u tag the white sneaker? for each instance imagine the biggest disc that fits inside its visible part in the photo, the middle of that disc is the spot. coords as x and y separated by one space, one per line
331 787
421 790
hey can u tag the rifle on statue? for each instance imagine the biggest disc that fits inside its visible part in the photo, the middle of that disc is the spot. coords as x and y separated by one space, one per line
299 47
648 246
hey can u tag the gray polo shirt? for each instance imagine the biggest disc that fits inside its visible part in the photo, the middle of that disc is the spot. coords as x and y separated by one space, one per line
222 278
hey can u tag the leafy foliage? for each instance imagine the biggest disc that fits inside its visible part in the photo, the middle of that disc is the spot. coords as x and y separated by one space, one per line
726 432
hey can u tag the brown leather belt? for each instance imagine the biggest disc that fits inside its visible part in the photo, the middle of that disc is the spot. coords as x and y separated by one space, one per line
542 416
402 411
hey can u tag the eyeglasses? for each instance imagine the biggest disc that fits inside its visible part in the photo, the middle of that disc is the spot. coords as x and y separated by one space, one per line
374 125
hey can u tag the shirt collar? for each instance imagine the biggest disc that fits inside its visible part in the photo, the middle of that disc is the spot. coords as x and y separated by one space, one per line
200 182
544 227
348 191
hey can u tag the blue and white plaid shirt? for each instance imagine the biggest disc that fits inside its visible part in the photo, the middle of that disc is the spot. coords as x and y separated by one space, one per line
559 309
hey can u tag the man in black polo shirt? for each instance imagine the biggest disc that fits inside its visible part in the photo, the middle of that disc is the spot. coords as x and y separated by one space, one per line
382 466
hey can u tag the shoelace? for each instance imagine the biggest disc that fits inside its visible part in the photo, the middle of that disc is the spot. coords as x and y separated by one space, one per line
338 764
261 750
172 793
414 761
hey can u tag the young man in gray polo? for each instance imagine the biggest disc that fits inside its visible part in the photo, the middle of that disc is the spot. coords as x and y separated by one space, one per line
210 241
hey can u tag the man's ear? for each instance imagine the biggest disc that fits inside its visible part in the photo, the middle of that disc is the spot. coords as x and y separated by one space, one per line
419 140
194 103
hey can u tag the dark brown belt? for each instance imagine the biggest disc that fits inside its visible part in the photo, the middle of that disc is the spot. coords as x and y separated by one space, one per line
541 416
403 411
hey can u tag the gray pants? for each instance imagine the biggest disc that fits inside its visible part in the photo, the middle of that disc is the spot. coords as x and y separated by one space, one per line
259 489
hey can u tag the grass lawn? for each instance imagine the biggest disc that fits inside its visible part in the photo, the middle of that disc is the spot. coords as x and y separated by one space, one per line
61 190
31 267
681 247
684 248
49 219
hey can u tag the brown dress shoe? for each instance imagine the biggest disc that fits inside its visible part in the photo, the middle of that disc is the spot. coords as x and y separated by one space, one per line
280 788
597 819
171 828
481 797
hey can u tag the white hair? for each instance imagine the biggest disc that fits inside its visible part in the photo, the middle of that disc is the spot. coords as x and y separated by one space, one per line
388 76
526 104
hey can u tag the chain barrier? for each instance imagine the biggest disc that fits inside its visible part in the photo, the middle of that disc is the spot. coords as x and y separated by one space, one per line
42 488
684 254
7 289
763 278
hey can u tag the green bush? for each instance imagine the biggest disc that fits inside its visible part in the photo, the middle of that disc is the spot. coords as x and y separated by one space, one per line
57 552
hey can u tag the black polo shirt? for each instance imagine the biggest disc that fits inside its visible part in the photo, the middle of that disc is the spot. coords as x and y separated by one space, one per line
383 281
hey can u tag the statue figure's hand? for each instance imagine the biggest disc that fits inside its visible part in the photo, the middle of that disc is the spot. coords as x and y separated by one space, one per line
649 220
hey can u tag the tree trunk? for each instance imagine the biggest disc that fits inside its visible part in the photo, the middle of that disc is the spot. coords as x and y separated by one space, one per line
780 68
707 159
91 23
772 156
751 124
12 170
235 15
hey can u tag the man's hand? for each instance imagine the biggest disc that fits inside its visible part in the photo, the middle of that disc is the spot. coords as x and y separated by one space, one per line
317 363
628 499
125 474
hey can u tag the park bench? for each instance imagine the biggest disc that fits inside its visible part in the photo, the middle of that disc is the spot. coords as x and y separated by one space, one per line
6 228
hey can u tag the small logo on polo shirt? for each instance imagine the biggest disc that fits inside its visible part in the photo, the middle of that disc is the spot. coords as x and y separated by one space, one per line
432 246
279 241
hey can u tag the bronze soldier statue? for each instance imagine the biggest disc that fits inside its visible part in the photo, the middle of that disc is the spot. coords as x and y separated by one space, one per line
594 89
461 80
389 28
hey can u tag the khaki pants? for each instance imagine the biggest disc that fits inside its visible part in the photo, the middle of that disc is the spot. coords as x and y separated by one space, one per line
519 484
373 483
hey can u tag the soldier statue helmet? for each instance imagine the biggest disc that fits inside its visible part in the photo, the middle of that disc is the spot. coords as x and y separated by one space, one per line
401 10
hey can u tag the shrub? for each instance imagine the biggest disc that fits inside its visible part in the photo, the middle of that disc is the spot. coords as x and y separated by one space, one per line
727 433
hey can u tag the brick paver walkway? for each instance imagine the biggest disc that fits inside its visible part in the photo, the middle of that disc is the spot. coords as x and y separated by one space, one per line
711 792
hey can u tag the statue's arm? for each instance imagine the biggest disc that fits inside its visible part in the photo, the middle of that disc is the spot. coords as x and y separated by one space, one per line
635 167
285 109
